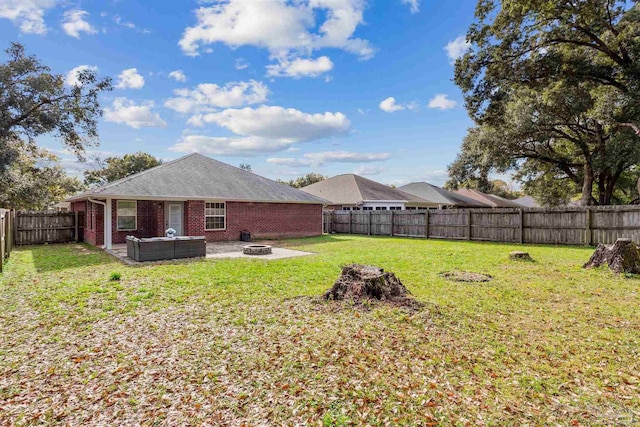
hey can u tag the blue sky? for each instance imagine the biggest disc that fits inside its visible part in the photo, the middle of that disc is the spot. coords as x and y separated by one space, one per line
288 87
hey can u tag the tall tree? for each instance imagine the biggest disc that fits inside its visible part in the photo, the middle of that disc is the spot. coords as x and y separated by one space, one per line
303 181
118 167
34 102
554 89
35 180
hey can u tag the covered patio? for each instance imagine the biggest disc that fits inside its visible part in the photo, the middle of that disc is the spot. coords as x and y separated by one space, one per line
215 250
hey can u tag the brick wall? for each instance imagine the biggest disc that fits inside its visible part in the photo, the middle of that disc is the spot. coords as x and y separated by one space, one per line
149 213
263 220
94 217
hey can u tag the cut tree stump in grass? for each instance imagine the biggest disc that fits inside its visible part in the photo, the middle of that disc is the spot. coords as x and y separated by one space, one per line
621 257
359 283
520 256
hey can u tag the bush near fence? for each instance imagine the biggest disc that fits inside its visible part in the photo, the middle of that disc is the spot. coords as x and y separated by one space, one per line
562 226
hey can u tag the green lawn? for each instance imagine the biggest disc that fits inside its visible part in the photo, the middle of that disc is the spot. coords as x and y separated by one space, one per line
247 342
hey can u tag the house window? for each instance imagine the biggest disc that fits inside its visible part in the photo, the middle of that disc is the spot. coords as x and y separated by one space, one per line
127 215
346 208
395 208
214 216
411 208
367 208
381 208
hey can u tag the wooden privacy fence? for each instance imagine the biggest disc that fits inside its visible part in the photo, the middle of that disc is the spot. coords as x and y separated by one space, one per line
7 221
563 226
33 228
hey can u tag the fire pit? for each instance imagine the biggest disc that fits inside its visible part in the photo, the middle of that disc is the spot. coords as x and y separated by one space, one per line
256 249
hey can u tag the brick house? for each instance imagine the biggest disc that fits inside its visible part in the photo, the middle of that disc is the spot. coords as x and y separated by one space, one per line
196 196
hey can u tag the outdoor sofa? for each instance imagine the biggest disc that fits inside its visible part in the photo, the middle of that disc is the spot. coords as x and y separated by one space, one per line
158 248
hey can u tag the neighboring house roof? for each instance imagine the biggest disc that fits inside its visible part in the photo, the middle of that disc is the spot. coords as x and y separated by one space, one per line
351 189
440 196
527 202
489 199
197 177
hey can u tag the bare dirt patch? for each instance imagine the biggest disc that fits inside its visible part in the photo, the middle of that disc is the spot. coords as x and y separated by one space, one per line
466 276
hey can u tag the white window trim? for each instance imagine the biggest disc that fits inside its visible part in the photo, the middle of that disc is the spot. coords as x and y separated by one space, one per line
118 216
215 216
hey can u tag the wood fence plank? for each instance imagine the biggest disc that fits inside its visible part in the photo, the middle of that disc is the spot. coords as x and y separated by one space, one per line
569 226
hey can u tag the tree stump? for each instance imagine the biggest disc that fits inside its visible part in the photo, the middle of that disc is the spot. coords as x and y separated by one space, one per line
520 256
366 282
621 257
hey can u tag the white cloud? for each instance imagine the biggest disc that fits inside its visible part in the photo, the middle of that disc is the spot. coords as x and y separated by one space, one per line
456 48
72 76
265 129
300 67
127 24
125 111
442 102
74 23
240 64
345 157
208 97
285 29
28 15
414 5
280 123
320 158
289 161
367 170
130 78
178 75
390 106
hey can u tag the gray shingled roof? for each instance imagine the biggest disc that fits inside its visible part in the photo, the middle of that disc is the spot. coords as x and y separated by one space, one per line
441 196
527 202
490 199
199 177
350 189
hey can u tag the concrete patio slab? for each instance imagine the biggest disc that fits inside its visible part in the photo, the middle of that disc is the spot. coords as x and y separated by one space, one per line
216 250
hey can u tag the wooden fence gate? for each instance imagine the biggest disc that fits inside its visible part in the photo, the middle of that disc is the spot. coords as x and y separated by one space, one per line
32 228
7 221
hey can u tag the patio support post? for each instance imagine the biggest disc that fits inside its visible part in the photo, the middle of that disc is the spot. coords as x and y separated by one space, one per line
107 224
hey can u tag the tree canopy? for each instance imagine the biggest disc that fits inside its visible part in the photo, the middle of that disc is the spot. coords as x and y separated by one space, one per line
35 180
118 167
34 102
303 181
554 89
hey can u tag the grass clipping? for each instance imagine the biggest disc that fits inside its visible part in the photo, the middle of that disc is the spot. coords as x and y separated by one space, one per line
363 284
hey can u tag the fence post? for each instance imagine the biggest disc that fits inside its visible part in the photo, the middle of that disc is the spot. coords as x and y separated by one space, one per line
369 227
2 234
426 223
350 222
468 224
391 229
75 236
15 227
521 226
588 238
